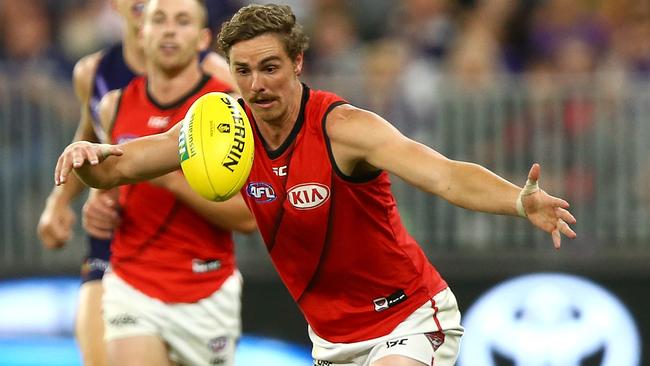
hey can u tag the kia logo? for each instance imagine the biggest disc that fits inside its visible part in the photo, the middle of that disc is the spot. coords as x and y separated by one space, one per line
307 196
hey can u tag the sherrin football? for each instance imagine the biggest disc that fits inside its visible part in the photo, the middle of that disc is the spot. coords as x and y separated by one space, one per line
215 146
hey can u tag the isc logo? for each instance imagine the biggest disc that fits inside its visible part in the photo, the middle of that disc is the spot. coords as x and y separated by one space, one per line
308 195
262 192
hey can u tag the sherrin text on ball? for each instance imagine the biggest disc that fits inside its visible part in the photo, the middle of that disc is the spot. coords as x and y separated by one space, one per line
215 146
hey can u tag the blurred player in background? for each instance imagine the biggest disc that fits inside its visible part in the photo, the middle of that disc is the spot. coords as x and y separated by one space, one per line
327 215
94 76
172 292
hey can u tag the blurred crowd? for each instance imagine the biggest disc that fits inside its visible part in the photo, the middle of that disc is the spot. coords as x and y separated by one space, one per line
476 40
397 58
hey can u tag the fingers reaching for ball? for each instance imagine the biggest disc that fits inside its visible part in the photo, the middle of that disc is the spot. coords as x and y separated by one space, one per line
78 154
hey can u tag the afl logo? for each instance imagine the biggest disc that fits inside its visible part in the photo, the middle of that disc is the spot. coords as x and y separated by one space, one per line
260 191
307 196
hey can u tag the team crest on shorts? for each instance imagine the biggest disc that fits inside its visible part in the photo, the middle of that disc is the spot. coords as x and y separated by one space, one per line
218 344
436 339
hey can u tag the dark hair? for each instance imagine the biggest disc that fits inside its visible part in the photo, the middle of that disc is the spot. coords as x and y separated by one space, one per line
254 20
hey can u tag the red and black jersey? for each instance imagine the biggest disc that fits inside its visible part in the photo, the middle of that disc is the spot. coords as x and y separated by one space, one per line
163 247
337 242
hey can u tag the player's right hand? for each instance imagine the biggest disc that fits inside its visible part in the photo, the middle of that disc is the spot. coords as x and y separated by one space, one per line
100 213
55 225
79 153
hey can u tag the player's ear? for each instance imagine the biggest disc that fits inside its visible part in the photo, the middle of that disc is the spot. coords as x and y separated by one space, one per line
297 64
205 37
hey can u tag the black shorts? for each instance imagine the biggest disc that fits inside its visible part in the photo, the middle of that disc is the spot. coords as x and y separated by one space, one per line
95 264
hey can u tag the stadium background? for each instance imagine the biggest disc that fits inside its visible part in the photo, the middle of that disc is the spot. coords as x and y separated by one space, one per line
500 82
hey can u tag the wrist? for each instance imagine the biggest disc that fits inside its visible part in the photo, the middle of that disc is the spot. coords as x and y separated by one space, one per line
519 204
530 188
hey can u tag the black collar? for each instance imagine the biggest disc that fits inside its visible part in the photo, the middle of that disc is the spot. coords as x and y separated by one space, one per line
300 121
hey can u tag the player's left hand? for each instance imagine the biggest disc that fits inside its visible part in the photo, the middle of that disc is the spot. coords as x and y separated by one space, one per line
79 153
545 211
101 213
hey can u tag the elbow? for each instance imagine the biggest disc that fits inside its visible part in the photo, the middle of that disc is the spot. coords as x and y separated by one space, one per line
246 226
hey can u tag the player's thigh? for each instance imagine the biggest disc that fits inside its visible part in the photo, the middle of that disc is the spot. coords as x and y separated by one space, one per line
138 351
395 360
206 332
436 348
89 326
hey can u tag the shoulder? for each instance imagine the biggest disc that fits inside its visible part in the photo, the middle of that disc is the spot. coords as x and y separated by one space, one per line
84 73
216 66
346 121
108 107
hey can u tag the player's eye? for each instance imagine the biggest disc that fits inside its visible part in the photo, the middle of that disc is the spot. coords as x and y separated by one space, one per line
184 21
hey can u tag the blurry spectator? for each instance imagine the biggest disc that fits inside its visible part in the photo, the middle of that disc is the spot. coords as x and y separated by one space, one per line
424 25
387 74
568 35
29 57
372 17
477 58
26 31
334 57
303 9
87 27
629 21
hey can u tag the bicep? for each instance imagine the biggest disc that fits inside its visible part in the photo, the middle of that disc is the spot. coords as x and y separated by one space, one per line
363 138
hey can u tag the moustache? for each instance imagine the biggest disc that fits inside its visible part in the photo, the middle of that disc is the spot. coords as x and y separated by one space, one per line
262 98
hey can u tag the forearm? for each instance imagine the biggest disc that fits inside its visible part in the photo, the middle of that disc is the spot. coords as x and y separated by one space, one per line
141 159
476 188
102 176
65 194
228 215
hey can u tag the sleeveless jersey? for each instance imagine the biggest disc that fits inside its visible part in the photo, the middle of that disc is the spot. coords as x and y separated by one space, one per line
337 241
163 247
112 73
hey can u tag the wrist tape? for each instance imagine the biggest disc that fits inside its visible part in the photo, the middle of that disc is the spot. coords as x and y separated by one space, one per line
530 188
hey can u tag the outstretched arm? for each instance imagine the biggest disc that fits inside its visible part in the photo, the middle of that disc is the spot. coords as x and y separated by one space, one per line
55 223
362 142
106 166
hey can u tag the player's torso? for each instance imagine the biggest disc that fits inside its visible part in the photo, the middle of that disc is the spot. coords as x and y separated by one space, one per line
163 247
337 242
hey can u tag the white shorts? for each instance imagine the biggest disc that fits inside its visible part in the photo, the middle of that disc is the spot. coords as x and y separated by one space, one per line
431 335
201 333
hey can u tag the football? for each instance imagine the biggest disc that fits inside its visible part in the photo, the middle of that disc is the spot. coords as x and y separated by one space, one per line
215 146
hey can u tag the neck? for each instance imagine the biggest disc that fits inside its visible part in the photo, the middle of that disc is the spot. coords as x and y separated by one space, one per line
166 87
132 51
276 131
